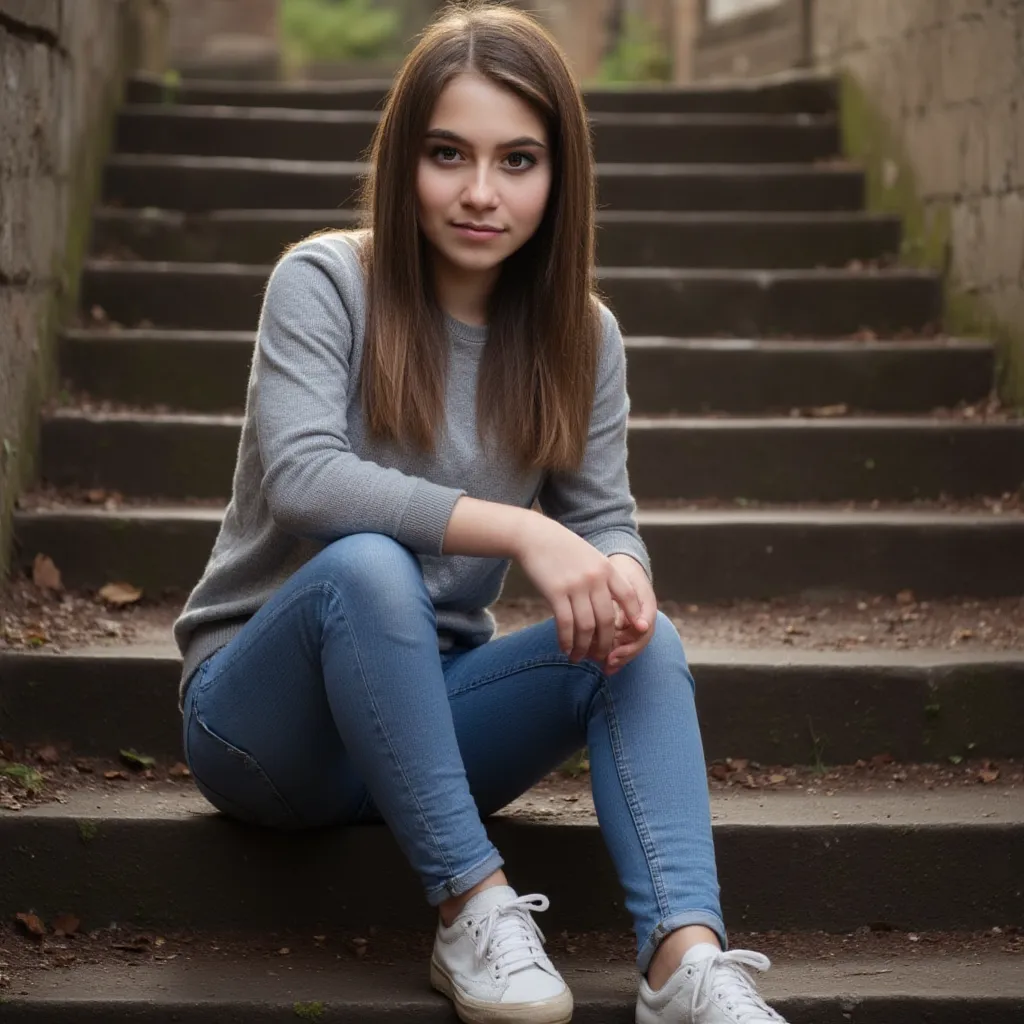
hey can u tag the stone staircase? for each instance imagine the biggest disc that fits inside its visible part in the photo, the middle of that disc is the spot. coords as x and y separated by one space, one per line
750 284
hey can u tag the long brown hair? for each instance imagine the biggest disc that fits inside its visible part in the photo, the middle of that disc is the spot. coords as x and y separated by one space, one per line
538 369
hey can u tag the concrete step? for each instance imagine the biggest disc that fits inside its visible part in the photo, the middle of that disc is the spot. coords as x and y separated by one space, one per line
208 980
198 183
810 94
666 375
624 238
699 303
346 135
700 555
770 706
177 456
164 857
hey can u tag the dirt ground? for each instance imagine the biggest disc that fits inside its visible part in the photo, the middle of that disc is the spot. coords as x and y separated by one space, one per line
42 618
49 774
23 953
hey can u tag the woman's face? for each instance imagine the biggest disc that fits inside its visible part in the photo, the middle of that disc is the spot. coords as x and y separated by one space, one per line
484 162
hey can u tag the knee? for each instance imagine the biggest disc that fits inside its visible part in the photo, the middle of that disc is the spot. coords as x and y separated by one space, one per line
666 642
664 657
371 565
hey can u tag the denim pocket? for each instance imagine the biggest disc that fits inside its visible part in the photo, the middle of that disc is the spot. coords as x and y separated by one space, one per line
233 780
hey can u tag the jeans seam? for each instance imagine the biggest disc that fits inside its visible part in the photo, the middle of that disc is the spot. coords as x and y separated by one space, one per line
277 612
633 802
253 762
383 731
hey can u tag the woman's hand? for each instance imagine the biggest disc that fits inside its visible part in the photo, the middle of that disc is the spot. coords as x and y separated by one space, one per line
629 639
593 601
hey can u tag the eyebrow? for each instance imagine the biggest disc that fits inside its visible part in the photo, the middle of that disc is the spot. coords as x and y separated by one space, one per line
523 140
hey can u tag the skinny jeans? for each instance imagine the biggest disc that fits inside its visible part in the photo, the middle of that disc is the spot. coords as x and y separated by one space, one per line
333 705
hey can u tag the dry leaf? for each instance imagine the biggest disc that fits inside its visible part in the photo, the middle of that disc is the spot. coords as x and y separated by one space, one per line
880 760
115 775
120 593
48 755
776 779
45 574
839 409
96 496
66 924
719 772
179 771
988 775
905 597
32 924
738 764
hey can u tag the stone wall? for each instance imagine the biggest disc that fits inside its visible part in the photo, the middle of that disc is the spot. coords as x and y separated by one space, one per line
934 104
60 71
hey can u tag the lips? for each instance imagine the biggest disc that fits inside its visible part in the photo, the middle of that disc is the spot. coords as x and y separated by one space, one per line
480 227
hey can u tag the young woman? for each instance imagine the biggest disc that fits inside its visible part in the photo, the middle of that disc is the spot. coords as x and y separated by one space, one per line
417 385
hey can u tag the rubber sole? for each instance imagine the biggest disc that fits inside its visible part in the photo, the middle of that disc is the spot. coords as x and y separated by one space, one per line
474 1011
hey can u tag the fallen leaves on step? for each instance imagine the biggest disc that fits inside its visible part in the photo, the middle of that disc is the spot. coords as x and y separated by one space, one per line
32 924
45 574
119 594
48 755
66 924
179 771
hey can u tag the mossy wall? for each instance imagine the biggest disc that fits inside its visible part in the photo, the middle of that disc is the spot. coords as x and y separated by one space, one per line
64 63
933 105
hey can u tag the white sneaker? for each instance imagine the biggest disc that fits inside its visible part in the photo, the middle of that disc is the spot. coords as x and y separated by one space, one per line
710 987
491 963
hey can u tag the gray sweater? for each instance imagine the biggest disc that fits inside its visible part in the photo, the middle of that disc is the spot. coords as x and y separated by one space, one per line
308 472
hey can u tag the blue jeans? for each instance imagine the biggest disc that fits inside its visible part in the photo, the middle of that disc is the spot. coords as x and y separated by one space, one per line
333 705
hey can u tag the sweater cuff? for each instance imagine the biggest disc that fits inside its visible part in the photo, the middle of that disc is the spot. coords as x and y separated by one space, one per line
621 543
426 517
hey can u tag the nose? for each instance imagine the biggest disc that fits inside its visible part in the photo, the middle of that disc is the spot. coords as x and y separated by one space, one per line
480 192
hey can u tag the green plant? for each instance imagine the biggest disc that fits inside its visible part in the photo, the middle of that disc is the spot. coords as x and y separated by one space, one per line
578 764
309 1011
639 54
88 830
817 747
26 777
336 30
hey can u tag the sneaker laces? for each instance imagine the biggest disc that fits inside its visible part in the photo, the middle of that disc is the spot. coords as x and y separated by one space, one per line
723 977
508 936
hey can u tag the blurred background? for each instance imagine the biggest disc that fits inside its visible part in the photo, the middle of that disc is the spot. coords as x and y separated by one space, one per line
607 40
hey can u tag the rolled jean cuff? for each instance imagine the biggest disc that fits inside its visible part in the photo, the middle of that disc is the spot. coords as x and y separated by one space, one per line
674 923
463 883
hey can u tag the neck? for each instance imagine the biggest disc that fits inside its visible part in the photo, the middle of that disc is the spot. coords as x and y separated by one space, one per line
464 294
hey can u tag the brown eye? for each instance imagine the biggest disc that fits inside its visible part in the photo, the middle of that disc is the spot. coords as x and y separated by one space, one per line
525 156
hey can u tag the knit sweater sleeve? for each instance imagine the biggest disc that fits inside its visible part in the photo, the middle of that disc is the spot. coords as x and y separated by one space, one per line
594 500
314 484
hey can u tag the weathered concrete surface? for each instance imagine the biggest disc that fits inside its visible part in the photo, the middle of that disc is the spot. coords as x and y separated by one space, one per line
666 375
703 556
780 459
951 988
61 63
915 705
829 863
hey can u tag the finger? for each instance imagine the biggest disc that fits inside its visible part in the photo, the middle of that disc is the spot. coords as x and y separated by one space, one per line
562 609
604 614
624 592
583 625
